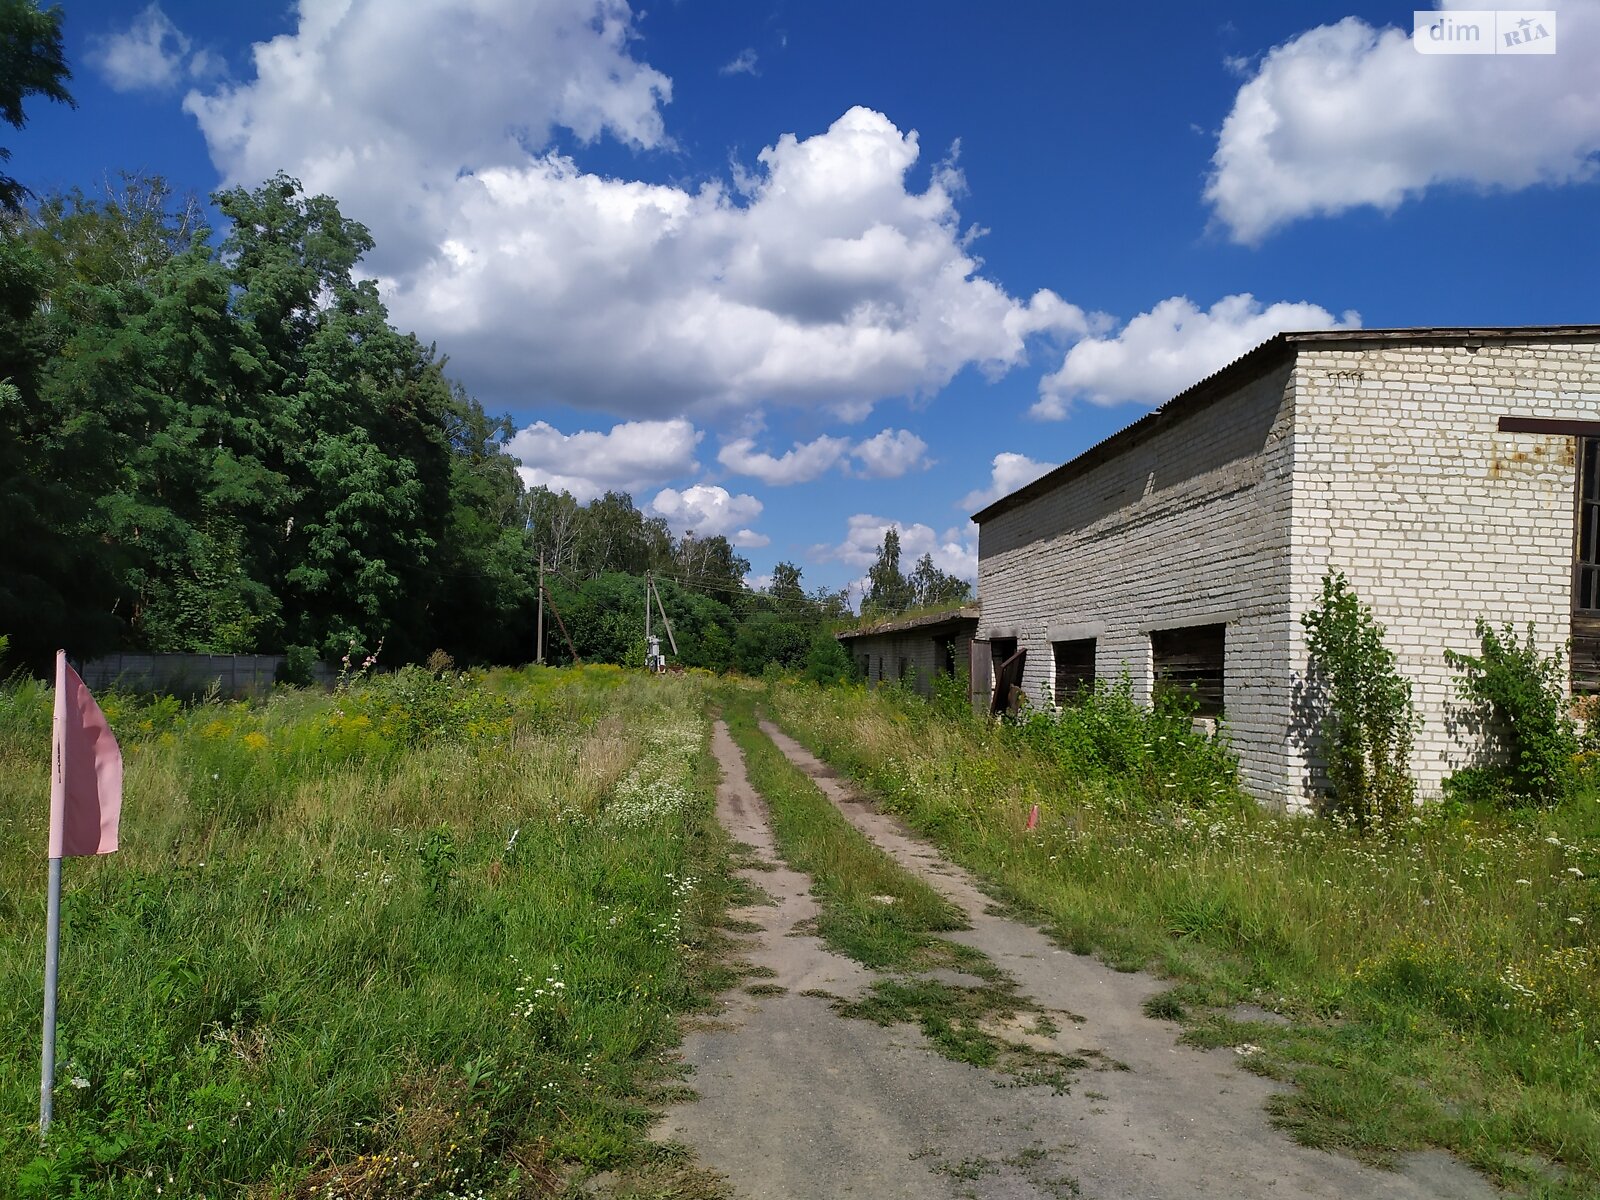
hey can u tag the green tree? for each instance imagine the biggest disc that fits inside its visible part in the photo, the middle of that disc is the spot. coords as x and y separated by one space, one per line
888 590
1518 698
31 64
786 591
1367 720
930 586
827 662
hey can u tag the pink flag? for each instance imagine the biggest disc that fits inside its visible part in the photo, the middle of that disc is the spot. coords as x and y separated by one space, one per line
86 779
1033 817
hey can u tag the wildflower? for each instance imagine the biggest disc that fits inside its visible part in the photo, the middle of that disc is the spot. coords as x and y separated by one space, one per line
78 1081
1575 920
1578 871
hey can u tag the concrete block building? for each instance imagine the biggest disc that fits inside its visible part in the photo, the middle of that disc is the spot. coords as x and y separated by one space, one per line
914 649
1450 473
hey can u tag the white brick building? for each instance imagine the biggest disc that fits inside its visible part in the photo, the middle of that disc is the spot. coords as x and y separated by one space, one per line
1438 468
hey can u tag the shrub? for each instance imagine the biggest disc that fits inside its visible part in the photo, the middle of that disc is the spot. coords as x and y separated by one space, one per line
1368 722
827 662
1154 751
1519 699
299 665
952 695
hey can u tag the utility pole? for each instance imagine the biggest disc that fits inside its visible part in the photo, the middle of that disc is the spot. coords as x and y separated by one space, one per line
538 642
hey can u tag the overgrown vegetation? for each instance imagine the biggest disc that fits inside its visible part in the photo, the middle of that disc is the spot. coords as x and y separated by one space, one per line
1517 703
1363 704
428 936
1153 754
1437 968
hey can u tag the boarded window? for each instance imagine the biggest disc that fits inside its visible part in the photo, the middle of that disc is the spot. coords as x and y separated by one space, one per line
1585 657
1189 662
1074 662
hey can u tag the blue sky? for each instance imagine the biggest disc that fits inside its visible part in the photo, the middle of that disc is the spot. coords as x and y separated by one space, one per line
794 271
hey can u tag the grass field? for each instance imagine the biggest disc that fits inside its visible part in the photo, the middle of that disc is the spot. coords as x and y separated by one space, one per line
423 937
1440 974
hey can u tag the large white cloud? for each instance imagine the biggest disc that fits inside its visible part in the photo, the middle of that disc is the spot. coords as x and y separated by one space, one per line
1161 352
1346 115
1008 471
633 456
819 277
707 511
954 552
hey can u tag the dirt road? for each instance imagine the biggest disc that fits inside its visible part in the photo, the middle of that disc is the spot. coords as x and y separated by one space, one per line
798 1102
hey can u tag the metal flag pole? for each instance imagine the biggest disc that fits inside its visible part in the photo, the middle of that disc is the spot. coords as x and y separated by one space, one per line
52 958
52 937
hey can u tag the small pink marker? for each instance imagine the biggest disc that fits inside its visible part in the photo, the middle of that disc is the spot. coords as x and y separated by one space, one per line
1033 817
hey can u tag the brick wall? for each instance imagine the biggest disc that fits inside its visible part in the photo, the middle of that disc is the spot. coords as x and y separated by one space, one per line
1188 527
883 652
1403 482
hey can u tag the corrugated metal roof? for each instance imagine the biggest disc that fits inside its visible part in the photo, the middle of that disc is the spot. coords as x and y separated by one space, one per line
1248 366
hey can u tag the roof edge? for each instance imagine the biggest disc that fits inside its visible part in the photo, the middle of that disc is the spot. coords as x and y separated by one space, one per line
1257 362
967 612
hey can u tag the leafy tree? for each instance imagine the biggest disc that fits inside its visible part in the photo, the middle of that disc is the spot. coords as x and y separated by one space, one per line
827 662
786 591
930 586
1519 699
31 64
767 638
1368 720
888 590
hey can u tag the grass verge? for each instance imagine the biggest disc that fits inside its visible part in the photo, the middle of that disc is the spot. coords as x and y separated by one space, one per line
1439 973
420 937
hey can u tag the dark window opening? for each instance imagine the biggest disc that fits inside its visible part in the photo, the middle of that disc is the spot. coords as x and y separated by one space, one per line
944 656
1074 669
1000 649
905 667
1584 658
1189 662
1588 566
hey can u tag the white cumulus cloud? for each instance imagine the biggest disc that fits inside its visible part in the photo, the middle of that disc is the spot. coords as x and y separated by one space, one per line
708 510
1008 472
890 454
805 462
1175 344
1347 115
817 277
633 456
148 54
955 552
886 455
